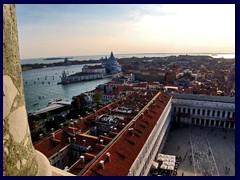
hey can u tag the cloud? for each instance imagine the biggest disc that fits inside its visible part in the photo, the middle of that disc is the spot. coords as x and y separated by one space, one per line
85 28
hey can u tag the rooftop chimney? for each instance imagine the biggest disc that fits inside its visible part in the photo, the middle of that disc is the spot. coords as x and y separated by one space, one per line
52 129
130 130
101 164
40 136
147 110
101 141
108 156
74 140
84 142
82 159
69 139
53 135
115 129
88 148
61 125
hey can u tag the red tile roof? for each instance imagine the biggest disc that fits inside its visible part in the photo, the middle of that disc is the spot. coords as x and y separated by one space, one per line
71 130
141 85
125 149
49 147
119 150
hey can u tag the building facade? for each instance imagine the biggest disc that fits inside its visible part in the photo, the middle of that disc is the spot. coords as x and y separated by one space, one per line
152 146
111 65
124 137
94 69
81 76
213 111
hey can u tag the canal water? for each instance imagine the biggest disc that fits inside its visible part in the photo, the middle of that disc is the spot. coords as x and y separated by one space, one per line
40 86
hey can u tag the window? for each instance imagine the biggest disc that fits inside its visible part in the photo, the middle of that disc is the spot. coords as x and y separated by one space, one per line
212 122
193 120
218 113
189 110
208 112
203 112
213 113
193 111
221 123
184 110
198 111
223 114
228 114
207 122
198 121
232 125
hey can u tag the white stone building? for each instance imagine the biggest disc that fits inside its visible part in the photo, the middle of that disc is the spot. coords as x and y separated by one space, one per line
213 111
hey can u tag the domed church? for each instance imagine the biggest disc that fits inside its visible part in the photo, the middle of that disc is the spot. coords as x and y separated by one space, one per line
111 65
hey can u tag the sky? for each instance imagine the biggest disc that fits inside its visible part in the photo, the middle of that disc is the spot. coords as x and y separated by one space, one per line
52 30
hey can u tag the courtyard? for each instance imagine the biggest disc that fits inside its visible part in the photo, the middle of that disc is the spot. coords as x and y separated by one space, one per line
204 151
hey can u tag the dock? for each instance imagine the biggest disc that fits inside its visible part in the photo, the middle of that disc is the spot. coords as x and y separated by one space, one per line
54 106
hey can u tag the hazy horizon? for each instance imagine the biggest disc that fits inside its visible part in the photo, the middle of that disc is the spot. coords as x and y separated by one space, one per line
124 54
87 30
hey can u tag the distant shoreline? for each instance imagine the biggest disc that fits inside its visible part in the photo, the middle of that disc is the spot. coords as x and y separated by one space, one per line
133 54
26 67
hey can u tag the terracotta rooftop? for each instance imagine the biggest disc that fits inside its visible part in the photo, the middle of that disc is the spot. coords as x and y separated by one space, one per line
127 146
141 85
114 83
49 147
118 148
124 88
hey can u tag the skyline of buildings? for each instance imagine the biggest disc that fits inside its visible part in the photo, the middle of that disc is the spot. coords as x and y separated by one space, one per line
141 115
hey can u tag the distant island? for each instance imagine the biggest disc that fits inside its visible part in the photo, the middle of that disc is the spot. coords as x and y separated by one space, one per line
125 61
56 58
26 67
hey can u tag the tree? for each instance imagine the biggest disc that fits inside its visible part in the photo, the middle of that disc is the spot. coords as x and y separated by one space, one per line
33 124
97 100
78 101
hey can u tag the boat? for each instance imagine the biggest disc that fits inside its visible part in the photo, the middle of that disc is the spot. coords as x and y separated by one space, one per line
54 101
35 104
